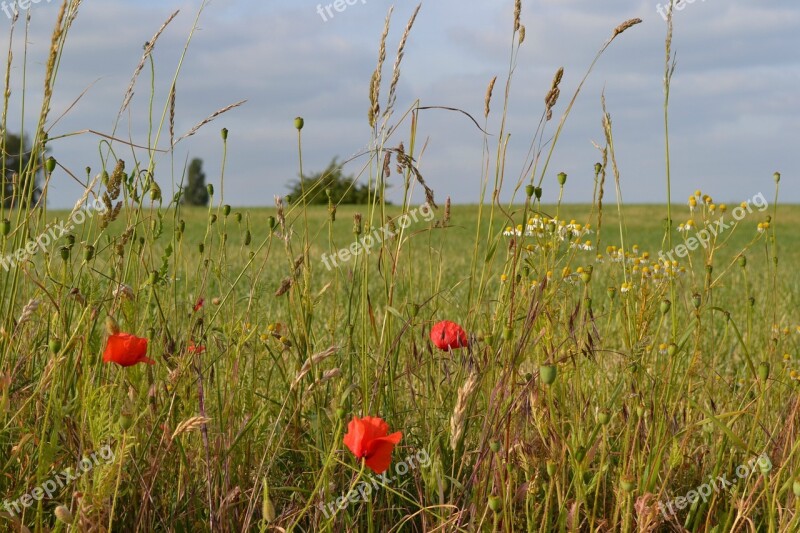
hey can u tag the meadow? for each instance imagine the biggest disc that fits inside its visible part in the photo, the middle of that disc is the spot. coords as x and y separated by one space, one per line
175 368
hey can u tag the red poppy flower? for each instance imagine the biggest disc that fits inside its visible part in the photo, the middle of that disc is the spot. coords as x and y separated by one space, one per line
126 350
198 305
195 348
368 438
448 335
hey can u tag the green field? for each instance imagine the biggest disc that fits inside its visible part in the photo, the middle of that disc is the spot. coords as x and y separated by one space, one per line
175 368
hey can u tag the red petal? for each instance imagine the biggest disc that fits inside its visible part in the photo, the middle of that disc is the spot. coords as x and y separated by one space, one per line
354 439
379 454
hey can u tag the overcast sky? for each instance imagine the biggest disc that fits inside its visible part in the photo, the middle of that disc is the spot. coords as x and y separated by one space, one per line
735 108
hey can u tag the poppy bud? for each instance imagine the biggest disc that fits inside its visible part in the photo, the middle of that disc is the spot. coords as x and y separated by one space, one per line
529 190
764 464
70 240
112 328
548 374
251 255
742 261
665 306
5 227
212 219
777 177
64 250
640 411
271 223
551 469
201 247
357 223
125 421
580 454
586 277
604 417
672 349
50 164
495 504
88 252
63 514
697 300
763 370
226 209
538 193
247 238
628 484
598 167
299 123
340 413
224 133
611 291
562 178
54 345
210 189
494 446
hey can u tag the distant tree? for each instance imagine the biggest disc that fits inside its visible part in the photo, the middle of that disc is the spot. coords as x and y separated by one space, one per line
18 187
344 189
195 191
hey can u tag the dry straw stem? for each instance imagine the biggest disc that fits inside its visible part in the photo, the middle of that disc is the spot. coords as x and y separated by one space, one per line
617 31
148 49
211 117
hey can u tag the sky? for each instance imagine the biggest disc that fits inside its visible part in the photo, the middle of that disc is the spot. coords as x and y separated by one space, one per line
734 102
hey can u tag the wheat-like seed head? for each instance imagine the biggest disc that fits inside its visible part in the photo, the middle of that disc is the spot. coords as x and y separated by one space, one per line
458 419
488 98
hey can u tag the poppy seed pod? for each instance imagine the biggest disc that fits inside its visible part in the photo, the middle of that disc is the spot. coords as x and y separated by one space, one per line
538 193
548 373
299 123
562 178
210 189
88 252
224 133
226 209
763 370
529 190
50 164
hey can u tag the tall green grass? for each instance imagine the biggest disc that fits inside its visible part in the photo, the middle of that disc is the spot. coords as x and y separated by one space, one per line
598 383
